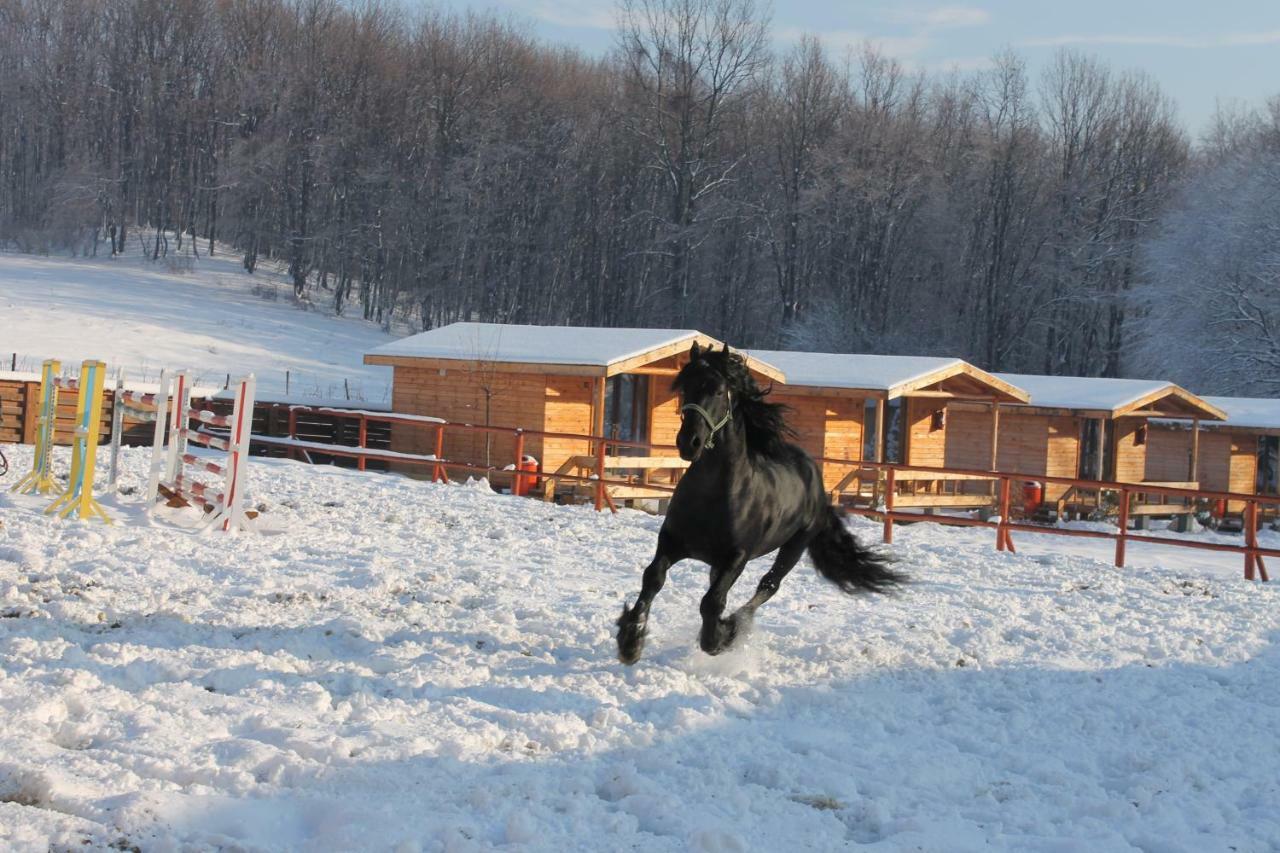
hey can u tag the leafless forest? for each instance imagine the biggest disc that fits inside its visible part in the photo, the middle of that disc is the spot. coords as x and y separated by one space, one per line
430 167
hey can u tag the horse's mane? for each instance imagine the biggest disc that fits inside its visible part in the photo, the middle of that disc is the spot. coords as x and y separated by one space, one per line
764 423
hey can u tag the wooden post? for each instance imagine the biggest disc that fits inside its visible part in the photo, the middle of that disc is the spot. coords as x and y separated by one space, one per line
30 411
599 473
880 442
438 474
1195 451
1250 538
1004 541
995 435
364 440
293 432
1124 528
517 480
888 506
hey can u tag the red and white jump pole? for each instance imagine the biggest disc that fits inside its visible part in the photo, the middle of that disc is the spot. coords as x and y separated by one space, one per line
169 461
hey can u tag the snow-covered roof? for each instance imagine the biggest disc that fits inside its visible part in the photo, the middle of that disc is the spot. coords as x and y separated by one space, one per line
585 346
1249 412
892 374
1095 393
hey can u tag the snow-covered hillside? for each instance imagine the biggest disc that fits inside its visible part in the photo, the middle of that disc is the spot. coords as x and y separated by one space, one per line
204 314
408 666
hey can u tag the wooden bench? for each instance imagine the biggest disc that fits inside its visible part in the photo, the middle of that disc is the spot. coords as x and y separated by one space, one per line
614 469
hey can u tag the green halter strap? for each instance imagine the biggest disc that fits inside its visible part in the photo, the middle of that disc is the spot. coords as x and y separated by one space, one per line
706 416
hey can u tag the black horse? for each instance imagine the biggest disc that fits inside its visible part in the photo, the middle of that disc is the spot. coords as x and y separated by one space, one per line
747 493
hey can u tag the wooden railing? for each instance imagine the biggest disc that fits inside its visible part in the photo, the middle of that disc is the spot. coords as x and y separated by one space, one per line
600 461
890 511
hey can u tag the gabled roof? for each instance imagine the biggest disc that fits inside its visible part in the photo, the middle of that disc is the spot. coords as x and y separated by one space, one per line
1112 397
886 375
582 350
1249 412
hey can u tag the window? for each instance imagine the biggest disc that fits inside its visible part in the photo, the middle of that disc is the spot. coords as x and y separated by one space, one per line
626 409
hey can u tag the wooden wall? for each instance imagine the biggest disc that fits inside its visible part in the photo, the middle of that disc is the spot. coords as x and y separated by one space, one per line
20 408
927 446
829 427
1130 457
1028 444
1169 454
569 407
514 399
664 411
1228 460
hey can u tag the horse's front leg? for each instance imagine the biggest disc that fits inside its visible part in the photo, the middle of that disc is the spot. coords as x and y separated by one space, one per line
788 555
634 621
718 634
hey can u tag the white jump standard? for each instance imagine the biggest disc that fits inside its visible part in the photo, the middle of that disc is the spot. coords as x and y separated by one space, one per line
169 461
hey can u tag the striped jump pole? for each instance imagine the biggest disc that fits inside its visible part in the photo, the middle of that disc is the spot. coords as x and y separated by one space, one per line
78 498
171 458
40 479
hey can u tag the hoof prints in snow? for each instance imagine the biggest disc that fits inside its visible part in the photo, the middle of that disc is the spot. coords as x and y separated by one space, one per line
360 682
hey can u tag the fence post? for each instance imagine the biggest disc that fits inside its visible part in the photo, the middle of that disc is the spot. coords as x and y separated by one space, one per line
293 432
1003 540
438 474
517 480
599 474
364 440
1250 538
1124 526
888 506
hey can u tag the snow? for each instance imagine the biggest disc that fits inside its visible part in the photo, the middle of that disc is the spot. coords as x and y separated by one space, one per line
214 319
839 370
399 665
1250 412
583 345
1084 392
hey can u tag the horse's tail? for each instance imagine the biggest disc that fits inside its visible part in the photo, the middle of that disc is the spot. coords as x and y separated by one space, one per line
847 563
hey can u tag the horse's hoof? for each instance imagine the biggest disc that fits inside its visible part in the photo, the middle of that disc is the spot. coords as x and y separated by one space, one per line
631 633
726 633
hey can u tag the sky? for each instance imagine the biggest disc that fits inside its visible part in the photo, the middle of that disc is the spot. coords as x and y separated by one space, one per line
1199 51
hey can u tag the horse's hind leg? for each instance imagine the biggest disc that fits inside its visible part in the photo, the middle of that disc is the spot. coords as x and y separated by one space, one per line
634 621
788 555
718 634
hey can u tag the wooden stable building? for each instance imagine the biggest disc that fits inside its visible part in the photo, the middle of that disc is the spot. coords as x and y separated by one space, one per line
583 381
1089 428
886 408
1238 454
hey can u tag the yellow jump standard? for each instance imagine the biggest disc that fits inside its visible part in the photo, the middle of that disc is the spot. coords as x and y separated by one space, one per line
84 447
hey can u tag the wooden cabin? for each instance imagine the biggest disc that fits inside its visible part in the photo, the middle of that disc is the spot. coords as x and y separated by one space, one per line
1238 454
584 381
885 408
1089 428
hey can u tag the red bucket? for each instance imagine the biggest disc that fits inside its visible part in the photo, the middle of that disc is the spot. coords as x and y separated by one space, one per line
1032 496
526 477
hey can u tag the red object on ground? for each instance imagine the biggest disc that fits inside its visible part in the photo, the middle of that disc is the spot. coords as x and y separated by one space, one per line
1032 496
527 476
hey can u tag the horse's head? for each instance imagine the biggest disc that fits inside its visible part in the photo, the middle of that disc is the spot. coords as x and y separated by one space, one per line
706 389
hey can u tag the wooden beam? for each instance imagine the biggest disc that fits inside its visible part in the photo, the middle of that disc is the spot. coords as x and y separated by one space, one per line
597 416
1195 450
880 442
995 434
463 365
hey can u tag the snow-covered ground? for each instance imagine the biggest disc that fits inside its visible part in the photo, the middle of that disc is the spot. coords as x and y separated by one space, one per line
212 318
399 665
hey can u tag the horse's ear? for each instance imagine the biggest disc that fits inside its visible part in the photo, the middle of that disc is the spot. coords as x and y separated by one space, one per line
725 349
694 352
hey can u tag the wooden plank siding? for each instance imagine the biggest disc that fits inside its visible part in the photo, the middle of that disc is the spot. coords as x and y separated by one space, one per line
20 409
927 446
1130 457
830 427
1048 445
1228 460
